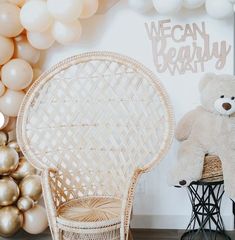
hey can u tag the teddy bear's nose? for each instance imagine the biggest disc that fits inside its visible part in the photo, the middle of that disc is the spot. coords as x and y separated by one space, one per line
227 106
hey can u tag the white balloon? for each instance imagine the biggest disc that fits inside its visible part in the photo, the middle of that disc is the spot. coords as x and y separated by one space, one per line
141 6
89 8
34 16
65 10
167 6
192 4
219 9
66 33
41 40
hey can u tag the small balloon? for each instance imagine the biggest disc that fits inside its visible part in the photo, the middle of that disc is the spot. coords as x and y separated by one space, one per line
10 25
3 120
34 16
35 220
17 74
41 40
11 125
25 51
90 7
9 160
9 191
193 4
24 169
141 6
67 33
6 49
25 203
11 220
167 6
3 138
31 187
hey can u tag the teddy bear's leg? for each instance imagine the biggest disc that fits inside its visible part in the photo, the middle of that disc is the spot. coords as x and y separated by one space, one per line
189 164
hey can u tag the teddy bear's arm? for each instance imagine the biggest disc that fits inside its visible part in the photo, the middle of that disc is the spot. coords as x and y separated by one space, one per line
184 127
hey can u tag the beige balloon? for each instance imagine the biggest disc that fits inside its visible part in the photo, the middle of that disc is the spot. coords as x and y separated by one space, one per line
14 144
6 49
35 220
11 125
17 74
3 138
10 102
25 51
9 191
25 203
24 169
19 3
2 88
10 25
31 187
3 120
11 220
90 7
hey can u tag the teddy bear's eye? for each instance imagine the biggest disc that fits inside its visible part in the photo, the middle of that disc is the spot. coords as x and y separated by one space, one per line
222 96
232 98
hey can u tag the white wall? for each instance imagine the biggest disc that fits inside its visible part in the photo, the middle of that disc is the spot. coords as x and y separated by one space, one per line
121 30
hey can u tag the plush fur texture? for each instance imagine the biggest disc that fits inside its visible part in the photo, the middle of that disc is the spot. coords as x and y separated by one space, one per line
210 128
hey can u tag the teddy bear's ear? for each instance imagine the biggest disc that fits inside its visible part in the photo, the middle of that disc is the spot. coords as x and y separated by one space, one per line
206 79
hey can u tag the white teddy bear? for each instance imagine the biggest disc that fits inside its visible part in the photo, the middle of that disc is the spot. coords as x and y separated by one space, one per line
208 129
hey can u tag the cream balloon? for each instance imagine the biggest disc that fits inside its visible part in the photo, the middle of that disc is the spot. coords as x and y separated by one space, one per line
34 16
41 40
2 88
3 120
3 138
6 49
25 51
141 6
167 6
65 11
35 220
11 125
19 3
17 74
10 25
10 102
25 203
67 33
11 220
14 144
192 4
90 7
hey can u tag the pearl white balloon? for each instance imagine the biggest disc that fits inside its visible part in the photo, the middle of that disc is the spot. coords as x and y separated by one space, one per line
167 6
219 9
141 6
192 4
41 40
90 7
34 16
65 10
67 33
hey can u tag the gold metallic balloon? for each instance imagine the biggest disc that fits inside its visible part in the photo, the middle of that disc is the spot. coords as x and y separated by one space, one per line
14 144
31 187
3 138
25 203
9 191
9 160
24 169
11 220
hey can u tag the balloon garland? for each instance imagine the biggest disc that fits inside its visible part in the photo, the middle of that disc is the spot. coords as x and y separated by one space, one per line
215 8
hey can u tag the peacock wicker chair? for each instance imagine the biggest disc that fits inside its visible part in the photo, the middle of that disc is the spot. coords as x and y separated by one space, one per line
93 124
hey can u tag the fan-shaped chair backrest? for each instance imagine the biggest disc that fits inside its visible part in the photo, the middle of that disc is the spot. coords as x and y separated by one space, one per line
96 114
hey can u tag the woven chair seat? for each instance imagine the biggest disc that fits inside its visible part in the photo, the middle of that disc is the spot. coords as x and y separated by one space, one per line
90 213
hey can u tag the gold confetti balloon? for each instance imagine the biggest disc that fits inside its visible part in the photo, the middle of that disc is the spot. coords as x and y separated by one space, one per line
11 220
9 160
24 169
9 191
31 187
3 138
25 203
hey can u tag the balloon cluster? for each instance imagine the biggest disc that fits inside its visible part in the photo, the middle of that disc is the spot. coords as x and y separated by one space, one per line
47 21
20 189
215 8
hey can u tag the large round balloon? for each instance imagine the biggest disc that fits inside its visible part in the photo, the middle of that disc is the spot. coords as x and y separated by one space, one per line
10 25
9 191
90 7
167 6
141 6
65 11
11 220
9 160
25 51
17 74
66 33
192 4
25 203
10 102
6 49
35 16
31 187
24 169
35 220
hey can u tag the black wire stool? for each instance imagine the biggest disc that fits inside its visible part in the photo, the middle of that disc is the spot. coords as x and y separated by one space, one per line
206 222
